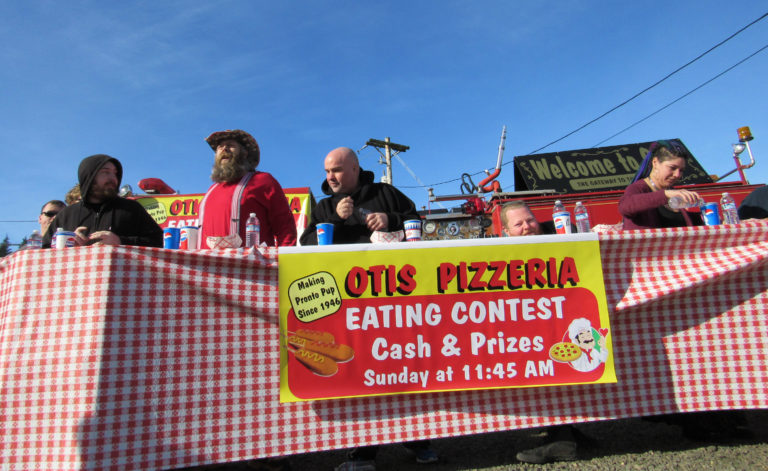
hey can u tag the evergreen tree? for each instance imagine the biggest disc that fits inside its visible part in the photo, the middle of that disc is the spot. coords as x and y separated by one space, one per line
5 247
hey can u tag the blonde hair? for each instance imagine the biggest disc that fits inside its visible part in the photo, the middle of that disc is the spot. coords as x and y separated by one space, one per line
516 204
73 195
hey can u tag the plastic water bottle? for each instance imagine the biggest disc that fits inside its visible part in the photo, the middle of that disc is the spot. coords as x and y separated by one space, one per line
35 240
562 218
252 231
677 203
730 213
582 218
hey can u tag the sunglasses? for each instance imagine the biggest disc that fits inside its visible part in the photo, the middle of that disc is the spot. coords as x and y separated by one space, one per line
50 214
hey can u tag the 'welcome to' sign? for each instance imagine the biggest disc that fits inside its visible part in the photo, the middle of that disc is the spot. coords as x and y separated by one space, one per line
597 169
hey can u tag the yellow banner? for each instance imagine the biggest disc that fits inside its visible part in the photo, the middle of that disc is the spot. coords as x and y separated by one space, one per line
363 320
181 210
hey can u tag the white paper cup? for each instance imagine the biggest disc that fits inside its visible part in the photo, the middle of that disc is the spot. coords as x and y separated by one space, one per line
65 239
412 229
188 238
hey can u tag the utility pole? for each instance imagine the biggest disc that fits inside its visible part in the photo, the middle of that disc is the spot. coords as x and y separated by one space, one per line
388 147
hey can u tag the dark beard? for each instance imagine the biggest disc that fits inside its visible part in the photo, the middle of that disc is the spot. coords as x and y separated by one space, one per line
99 194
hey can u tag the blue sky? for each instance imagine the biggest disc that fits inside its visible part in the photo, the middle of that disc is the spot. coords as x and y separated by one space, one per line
147 81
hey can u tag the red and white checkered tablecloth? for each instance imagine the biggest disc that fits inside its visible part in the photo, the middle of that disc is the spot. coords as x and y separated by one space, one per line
133 358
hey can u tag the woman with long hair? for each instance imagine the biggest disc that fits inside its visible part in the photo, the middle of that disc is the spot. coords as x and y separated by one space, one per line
645 203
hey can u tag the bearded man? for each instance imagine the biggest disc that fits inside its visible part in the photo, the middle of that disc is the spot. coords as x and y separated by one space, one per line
102 217
239 189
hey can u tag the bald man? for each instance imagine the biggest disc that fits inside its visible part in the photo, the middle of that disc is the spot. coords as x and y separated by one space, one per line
518 220
356 205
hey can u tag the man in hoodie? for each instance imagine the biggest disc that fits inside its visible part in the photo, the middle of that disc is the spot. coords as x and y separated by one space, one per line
356 206
102 217
239 189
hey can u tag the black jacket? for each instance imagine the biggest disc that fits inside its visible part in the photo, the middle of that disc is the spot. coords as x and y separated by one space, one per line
755 205
126 218
374 197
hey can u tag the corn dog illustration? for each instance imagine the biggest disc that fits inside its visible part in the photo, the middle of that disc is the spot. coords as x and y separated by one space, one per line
316 335
317 363
338 352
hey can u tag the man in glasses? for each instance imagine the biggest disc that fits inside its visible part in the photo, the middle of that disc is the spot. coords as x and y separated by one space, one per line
48 212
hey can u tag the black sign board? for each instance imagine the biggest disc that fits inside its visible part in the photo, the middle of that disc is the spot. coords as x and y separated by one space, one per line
596 169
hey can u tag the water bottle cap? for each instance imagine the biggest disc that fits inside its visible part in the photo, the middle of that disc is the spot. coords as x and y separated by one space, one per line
252 215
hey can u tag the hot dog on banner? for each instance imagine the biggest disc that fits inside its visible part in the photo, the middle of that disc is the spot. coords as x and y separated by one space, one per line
374 319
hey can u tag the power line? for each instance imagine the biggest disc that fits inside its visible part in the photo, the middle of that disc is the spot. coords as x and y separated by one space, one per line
630 99
652 86
680 98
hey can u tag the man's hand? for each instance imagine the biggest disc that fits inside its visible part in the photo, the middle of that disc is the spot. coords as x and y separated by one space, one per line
81 236
104 238
97 238
377 221
345 207
374 221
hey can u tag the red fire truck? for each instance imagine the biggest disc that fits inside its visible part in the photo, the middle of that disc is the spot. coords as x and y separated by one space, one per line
596 177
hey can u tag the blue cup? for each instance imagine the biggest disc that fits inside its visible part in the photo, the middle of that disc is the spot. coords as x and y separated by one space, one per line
710 215
171 237
325 233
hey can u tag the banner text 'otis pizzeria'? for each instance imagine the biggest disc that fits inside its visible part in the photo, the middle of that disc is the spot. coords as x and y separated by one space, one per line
365 319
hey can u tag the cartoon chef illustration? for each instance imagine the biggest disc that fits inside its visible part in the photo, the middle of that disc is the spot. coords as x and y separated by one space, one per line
591 343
